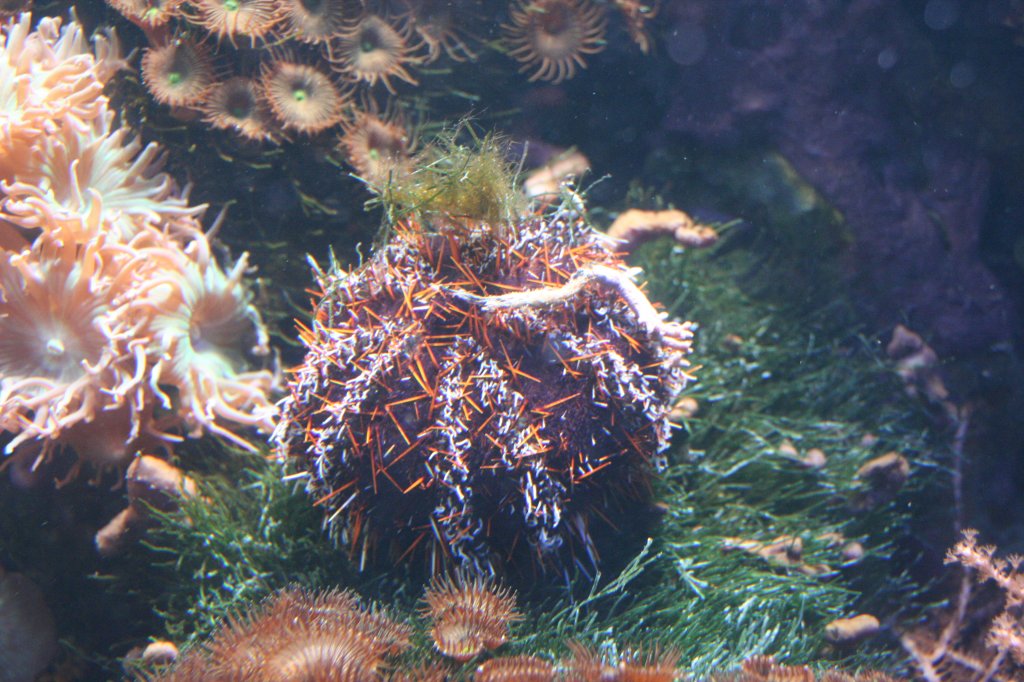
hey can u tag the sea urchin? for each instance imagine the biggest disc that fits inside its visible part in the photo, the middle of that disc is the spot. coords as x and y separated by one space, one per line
483 396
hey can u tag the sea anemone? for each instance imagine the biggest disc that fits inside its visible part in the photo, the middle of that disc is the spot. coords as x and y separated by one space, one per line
147 14
766 669
483 396
587 665
315 21
49 74
470 615
208 335
302 97
237 104
59 338
178 73
378 148
297 635
438 24
515 669
104 445
81 182
103 262
551 37
373 50
252 19
12 237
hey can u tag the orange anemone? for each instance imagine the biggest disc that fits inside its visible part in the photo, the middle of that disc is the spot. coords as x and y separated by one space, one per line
297 635
515 669
438 24
373 50
630 666
252 19
302 97
470 615
377 148
147 13
551 37
315 21
237 104
178 73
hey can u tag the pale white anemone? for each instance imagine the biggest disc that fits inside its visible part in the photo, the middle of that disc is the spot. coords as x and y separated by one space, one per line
61 342
97 178
48 78
208 334
116 324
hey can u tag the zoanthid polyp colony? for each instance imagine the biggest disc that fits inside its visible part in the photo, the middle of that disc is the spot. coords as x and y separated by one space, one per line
483 396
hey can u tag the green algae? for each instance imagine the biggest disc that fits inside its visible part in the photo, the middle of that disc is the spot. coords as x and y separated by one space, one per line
462 176
772 368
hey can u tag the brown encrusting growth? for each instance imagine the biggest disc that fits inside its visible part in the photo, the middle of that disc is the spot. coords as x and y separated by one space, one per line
882 478
470 615
363 43
634 227
484 396
152 483
546 183
297 635
552 37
